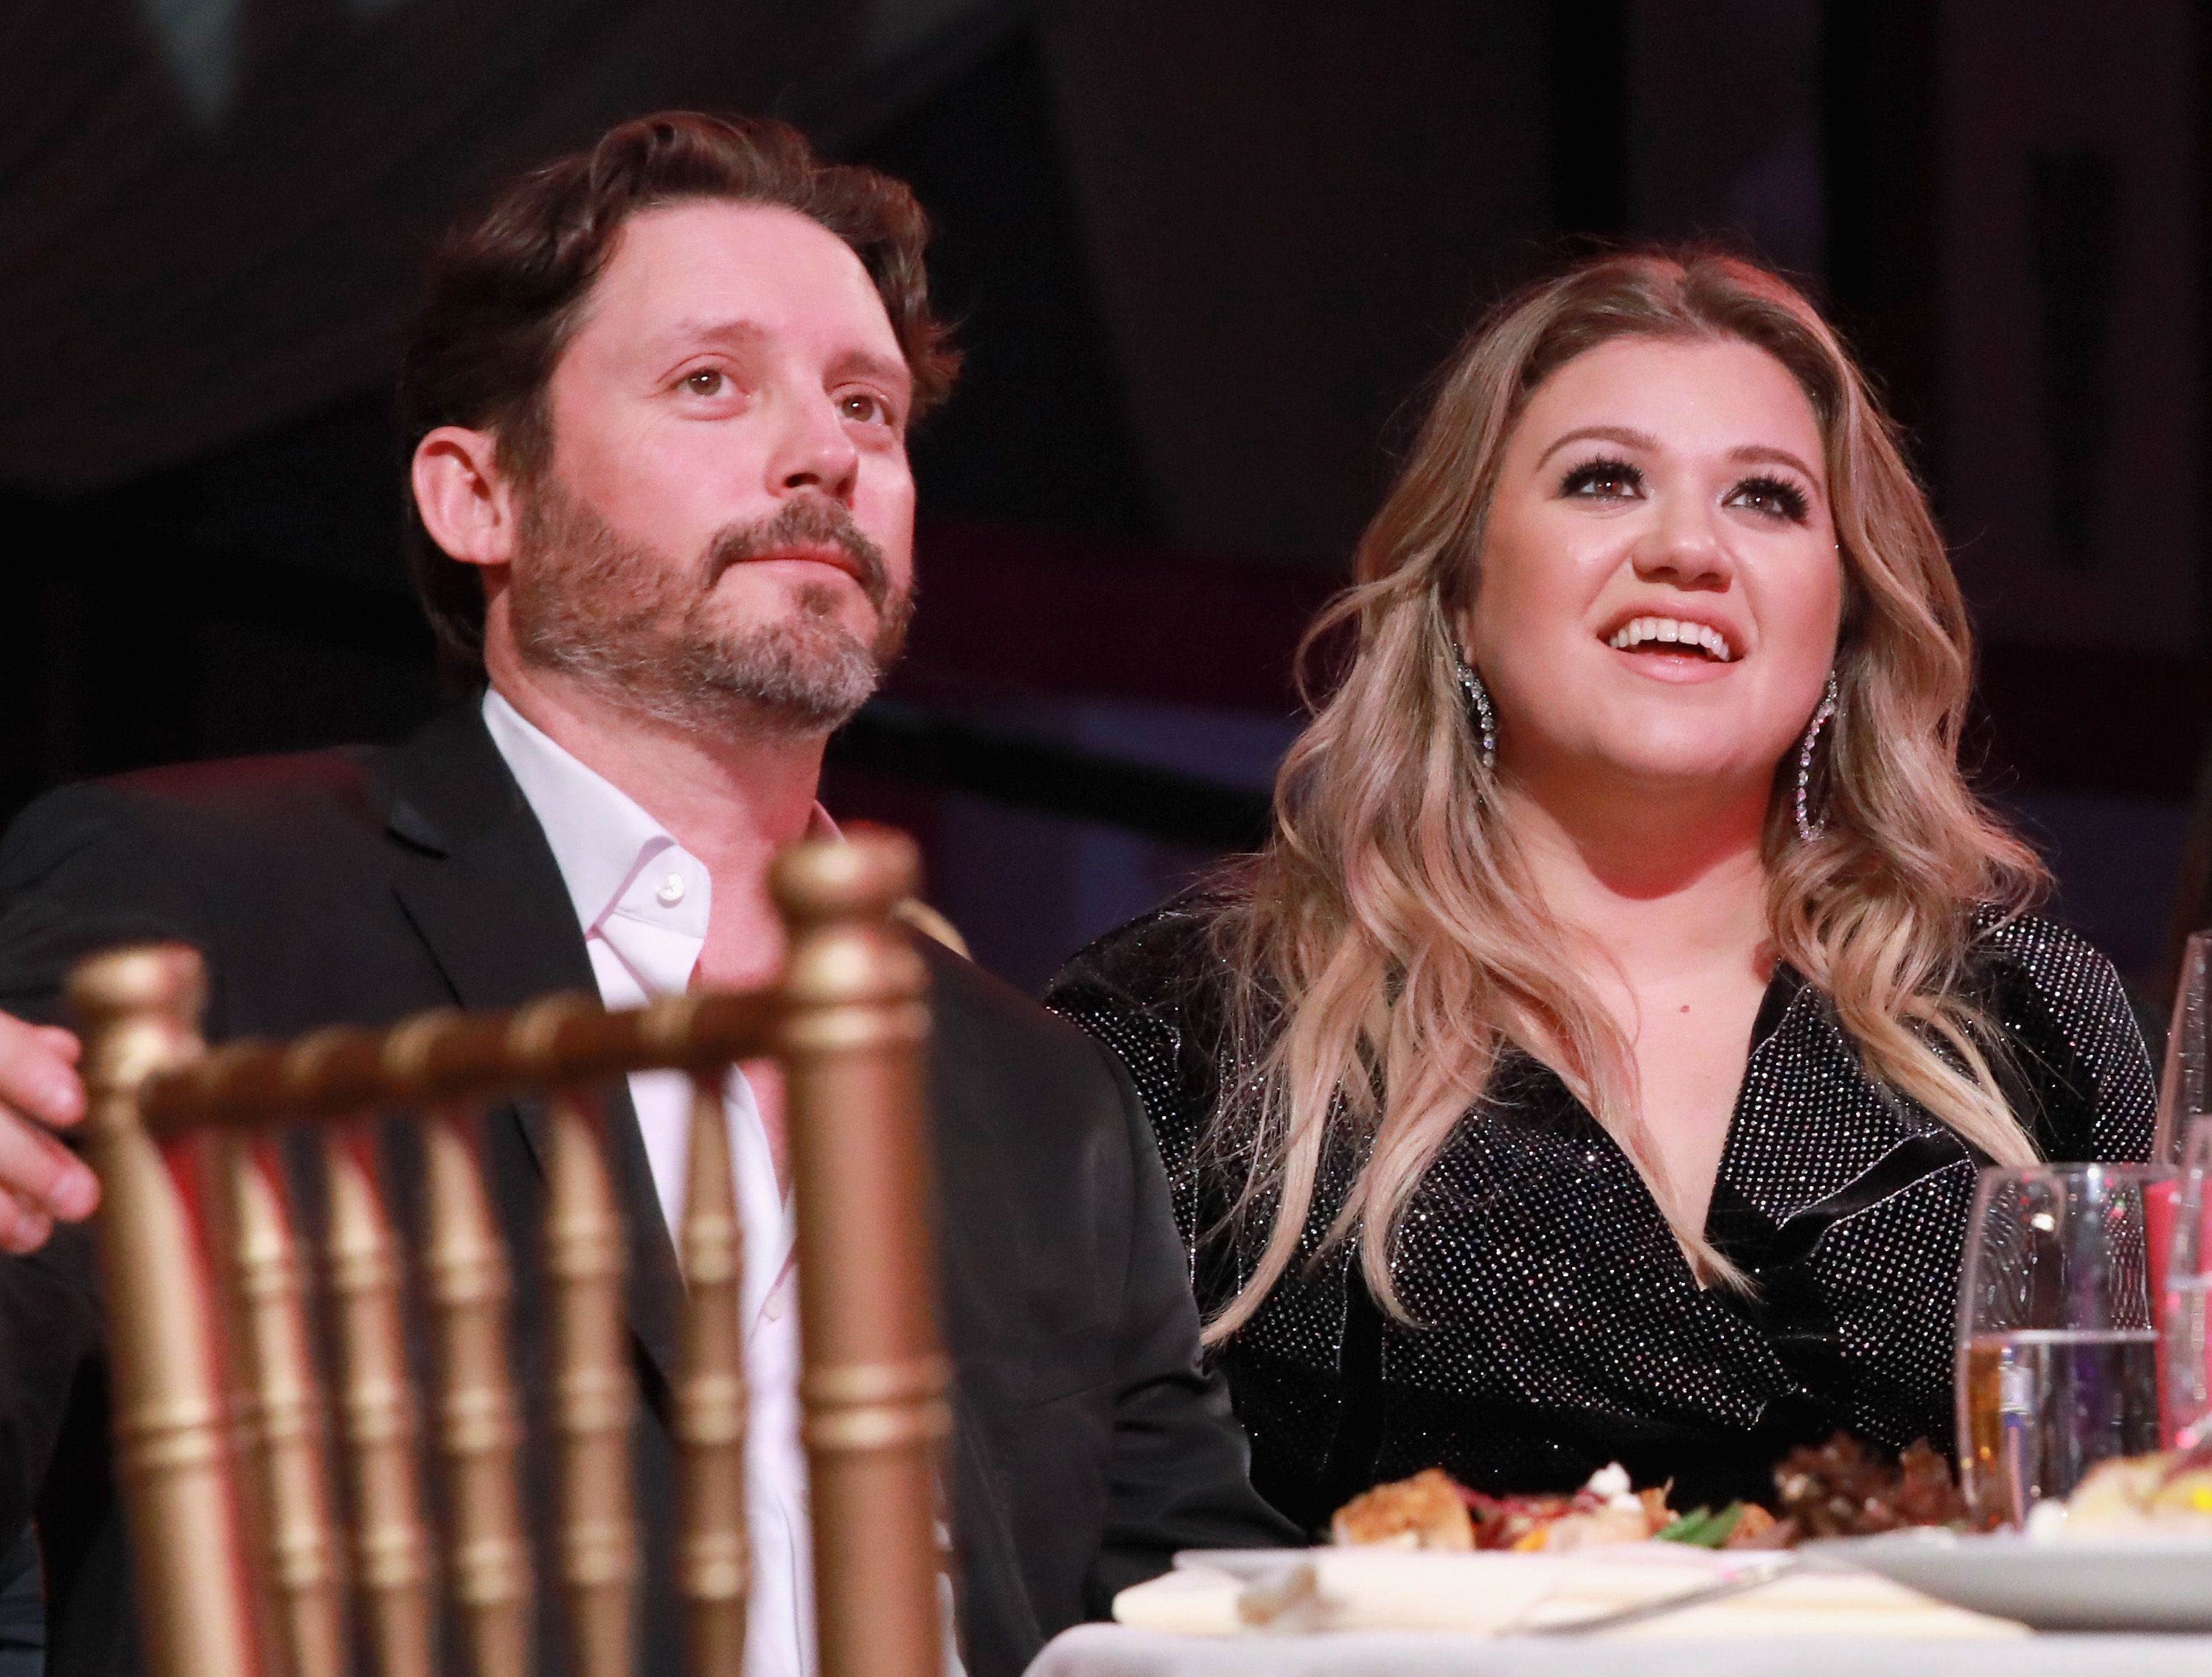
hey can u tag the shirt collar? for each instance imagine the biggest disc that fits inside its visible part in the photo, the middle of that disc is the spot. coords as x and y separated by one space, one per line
601 838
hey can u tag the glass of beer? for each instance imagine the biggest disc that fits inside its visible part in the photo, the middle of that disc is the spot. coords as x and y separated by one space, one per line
2059 1365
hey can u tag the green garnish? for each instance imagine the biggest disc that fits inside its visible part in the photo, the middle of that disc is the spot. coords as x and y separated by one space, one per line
1703 1528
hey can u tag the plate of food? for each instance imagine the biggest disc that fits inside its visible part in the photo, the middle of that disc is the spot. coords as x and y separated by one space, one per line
1839 1489
1427 1553
2131 1550
1432 1511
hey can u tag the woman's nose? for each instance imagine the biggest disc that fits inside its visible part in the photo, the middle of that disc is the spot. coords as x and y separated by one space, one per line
1684 549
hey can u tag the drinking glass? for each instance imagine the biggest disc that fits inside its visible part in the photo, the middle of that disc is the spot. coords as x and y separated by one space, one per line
2057 1365
2183 1099
2186 1373
2182 1095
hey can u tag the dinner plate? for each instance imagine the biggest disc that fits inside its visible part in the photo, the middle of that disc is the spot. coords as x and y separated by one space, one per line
2078 1584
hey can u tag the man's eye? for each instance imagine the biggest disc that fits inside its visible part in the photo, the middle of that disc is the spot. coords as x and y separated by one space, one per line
1603 480
706 381
867 409
1773 497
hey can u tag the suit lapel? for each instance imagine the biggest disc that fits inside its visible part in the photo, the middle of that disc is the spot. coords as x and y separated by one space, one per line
489 901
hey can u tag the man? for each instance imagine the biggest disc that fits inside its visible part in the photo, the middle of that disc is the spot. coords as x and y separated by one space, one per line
659 396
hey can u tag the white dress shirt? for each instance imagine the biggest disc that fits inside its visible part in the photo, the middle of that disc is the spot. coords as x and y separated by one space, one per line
642 901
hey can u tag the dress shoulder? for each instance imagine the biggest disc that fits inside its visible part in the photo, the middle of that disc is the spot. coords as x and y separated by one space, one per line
2066 1013
1150 994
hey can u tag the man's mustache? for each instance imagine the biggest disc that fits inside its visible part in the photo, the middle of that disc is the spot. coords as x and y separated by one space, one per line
813 521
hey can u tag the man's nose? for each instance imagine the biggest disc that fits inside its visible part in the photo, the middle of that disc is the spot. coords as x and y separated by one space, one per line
815 451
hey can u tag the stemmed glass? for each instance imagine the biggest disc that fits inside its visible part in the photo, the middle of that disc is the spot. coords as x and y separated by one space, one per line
2058 1366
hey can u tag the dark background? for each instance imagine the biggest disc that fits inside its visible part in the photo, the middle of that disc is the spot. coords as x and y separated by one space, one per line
1205 253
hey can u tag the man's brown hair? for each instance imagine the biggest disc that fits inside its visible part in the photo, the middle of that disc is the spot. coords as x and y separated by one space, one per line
505 287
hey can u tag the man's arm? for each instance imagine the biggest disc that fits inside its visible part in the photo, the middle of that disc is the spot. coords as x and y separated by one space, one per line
1180 1475
79 871
74 877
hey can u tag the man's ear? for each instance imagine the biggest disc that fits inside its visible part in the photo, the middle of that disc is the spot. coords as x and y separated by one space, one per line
467 501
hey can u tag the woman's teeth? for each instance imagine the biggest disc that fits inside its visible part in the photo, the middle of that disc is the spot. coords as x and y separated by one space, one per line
1671 631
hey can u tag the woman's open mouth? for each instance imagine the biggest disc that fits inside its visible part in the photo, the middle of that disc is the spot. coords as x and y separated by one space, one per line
1677 636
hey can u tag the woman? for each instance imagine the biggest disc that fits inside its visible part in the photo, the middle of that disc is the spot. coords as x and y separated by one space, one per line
1595 1063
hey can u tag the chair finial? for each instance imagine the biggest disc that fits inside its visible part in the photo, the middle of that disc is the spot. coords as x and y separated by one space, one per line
169 980
861 877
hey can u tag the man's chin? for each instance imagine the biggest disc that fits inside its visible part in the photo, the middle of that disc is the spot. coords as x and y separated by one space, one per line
828 622
785 679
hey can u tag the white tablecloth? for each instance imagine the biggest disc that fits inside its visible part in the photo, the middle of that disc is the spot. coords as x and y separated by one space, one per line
1113 1650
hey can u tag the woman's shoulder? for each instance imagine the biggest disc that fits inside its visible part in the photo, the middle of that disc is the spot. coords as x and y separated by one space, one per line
2065 972
1159 964
2065 1011
1151 992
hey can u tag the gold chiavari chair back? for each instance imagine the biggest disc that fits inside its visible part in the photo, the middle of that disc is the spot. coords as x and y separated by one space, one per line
276 1496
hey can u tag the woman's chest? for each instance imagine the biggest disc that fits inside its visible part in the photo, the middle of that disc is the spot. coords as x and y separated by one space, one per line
1536 1266
1689 1041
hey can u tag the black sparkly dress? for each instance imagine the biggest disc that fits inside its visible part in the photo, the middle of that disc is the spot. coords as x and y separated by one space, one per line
1561 1326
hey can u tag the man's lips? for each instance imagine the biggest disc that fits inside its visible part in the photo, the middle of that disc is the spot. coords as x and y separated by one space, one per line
827 554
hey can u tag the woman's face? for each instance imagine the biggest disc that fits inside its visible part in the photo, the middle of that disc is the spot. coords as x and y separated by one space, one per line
1659 589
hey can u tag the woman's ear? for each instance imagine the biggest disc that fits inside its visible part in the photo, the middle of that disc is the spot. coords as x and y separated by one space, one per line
466 500
1459 624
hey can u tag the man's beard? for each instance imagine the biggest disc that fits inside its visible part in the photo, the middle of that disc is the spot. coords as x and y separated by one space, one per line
639 626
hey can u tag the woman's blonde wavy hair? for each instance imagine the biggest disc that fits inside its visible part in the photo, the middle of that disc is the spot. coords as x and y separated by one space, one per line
1386 945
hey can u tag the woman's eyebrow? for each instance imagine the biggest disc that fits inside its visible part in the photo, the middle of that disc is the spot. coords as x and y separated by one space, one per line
1626 436
1760 454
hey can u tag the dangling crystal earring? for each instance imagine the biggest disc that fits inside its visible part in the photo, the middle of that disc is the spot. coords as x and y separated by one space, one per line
1807 829
1478 700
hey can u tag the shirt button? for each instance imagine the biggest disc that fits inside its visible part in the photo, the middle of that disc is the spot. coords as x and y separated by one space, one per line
672 890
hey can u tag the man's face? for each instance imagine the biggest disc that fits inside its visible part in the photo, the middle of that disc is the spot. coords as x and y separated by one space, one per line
724 535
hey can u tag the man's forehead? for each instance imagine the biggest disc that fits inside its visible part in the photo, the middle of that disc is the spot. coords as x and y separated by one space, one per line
744 273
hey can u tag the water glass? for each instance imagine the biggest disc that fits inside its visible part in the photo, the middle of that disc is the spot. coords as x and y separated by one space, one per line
2059 1365
2182 1097
2185 1377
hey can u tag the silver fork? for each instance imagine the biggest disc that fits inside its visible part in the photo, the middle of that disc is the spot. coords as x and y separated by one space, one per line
1740 1584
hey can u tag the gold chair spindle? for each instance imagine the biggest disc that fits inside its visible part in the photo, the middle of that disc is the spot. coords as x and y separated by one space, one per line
214 1162
479 1426
713 1560
282 1401
592 1394
873 1392
392 1546
139 1009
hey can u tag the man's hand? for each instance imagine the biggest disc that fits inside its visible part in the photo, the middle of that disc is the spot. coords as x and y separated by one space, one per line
40 1180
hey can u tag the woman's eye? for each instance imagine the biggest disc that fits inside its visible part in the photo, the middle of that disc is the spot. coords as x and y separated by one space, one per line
1773 497
1604 480
868 410
706 381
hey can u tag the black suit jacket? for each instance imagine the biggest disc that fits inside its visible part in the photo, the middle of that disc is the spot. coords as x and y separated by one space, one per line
358 886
